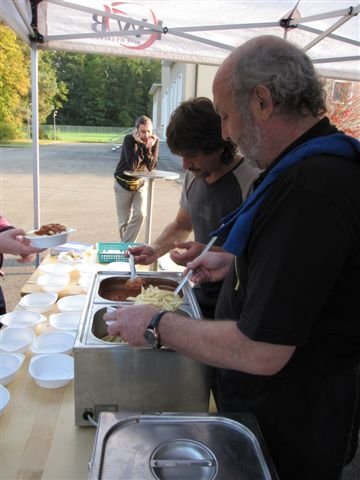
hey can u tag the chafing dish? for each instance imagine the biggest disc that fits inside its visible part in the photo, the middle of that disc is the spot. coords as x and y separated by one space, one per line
114 376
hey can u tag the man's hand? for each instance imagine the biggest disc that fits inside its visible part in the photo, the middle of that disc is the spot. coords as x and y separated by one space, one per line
185 252
211 267
130 323
144 254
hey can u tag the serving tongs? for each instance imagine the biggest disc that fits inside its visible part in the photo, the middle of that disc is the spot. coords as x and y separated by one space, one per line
190 272
134 282
132 267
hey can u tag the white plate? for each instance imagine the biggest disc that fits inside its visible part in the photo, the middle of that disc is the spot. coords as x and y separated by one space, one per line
56 268
65 321
71 303
47 241
39 301
16 339
4 398
87 268
9 365
22 318
54 342
53 283
71 258
52 371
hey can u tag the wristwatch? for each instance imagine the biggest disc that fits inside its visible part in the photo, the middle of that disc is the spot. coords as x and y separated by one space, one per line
151 334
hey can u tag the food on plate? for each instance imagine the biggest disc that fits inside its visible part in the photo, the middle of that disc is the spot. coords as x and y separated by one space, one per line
75 256
163 299
50 229
72 255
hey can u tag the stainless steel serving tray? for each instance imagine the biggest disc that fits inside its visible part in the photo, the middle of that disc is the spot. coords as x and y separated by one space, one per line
179 446
117 377
159 279
92 327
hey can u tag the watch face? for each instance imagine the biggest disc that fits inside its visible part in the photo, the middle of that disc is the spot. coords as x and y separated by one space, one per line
151 338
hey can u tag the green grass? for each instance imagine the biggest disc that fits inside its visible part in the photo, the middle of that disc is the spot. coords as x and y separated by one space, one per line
72 137
89 137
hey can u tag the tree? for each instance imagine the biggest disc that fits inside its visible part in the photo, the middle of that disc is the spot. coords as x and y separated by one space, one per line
344 106
14 83
105 90
52 93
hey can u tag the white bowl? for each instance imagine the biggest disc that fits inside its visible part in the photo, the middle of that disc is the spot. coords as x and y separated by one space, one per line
117 266
71 303
9 365
56 268
47 241
4 398
16 339
53 283
54 342
22 318
87 269
52 371
65 320
38 302
84 282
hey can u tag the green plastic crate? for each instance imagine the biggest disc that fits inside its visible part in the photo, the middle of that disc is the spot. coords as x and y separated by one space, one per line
113 251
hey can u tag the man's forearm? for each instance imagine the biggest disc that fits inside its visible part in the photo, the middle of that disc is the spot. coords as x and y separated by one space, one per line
166 240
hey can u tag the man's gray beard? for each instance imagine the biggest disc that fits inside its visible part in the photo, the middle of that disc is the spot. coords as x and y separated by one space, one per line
251 152
253 138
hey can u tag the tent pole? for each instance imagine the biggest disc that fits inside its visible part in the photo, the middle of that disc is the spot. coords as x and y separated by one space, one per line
35 135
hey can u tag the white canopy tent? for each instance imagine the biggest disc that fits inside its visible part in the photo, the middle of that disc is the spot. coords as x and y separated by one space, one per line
188 31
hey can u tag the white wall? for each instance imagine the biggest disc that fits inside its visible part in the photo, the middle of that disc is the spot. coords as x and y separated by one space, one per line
180 81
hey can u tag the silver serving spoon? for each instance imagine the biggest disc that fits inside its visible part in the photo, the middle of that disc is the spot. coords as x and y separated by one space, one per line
190 272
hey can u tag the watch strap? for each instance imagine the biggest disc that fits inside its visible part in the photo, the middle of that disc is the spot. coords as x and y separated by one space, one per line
156 319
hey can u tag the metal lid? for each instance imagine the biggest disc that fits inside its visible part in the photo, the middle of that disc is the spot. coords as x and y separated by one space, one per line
177 446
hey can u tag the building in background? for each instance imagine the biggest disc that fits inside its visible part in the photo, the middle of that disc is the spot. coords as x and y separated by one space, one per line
181 81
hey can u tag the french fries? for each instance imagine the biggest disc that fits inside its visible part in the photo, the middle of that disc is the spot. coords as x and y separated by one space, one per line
164 299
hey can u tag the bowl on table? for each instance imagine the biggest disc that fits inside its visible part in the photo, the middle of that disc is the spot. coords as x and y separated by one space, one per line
9 365
84 282
117 266
22 318
66 321
56 268
38 302
53 283
71 258
47 241
16 339
53 342
87 269
53 370
71 303
4 398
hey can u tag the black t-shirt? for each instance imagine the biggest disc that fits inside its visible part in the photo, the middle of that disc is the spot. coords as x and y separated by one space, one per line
135 156
298 284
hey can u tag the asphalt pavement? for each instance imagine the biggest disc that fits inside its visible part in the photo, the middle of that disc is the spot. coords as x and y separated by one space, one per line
76 189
